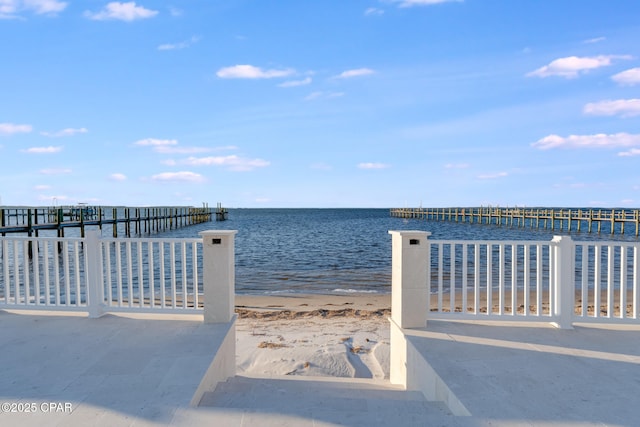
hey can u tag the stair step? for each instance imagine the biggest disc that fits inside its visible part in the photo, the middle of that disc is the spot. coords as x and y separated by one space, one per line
310 397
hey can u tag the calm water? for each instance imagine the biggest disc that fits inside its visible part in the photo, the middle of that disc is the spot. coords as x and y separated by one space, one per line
335 250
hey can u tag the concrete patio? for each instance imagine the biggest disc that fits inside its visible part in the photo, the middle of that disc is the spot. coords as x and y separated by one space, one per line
143 370
518 373
118 370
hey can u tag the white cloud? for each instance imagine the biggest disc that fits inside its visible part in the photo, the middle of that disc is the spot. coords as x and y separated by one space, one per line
373 166
233 162
121 12
117 177
42 150
493 175
9 9
630 153
10 128
8 6
153 142
42 187
262 200
373 11
629 77
182 45
355 73
65 132
251 72
411 3
456 166
313 95
42 7
181 150
294 83
178 177
174 11
572 66
587 141
622 107
319 94
58 171
595 40
169 146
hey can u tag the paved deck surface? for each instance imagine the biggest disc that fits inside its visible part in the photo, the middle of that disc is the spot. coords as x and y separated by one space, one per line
132 370
143 371
513 374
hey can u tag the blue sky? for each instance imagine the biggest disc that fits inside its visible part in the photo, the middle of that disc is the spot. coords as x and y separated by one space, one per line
332 103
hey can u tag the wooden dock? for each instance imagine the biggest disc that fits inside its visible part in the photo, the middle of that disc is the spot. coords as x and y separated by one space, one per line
566 219
221 213
134 221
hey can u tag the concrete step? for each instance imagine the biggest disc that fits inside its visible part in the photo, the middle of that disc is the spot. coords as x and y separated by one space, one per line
323 401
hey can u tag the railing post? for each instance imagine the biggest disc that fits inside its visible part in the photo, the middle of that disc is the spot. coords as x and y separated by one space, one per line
563 289
409 296
95 297
409 285
219 275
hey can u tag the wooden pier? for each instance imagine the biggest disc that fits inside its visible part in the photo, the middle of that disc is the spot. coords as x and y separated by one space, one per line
221 213
566 219
134 221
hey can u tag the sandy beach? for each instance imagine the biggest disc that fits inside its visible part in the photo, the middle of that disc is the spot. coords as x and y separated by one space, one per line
314 335
330 335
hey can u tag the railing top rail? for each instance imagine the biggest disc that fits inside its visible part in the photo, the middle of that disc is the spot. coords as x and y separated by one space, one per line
606 243
104 239
33 238
491 242
152 239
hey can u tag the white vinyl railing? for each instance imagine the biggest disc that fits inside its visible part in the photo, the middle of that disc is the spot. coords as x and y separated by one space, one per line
560 281
483 278
152 274
607 280
108 275
43 273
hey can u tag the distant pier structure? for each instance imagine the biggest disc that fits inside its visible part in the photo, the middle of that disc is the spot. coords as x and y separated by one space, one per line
221 213
562 219
124 220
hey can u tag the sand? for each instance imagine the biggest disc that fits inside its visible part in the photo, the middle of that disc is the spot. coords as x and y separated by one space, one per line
338 335
314 335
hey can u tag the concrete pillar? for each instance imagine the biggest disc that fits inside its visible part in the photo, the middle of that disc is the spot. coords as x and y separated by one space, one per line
219 275
409 282
563 276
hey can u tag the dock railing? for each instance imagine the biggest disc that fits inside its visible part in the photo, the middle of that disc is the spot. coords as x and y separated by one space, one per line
561 281
569 219
101 275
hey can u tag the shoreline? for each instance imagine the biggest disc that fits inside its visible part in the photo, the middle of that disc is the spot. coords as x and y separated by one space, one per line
292 306
359 305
